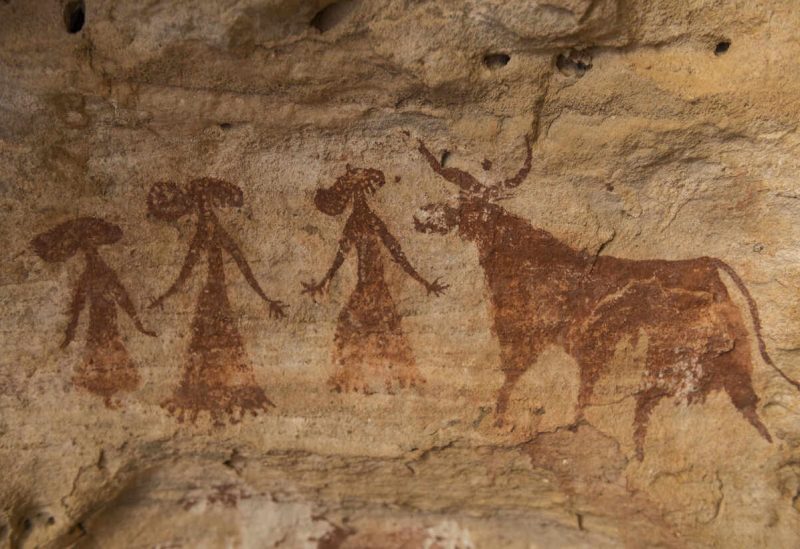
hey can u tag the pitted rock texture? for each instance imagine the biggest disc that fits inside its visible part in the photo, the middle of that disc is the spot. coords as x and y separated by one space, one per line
399 273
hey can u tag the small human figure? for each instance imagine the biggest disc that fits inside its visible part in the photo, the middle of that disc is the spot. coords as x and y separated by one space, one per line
371 351
218 377
106 368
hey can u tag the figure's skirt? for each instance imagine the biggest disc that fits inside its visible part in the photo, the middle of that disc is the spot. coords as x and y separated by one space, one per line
219 382
106 370
372 354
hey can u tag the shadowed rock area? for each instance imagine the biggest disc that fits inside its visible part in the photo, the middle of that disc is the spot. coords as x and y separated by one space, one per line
399 274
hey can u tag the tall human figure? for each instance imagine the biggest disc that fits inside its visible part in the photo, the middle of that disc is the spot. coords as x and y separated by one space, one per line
218 378
106 368
371 351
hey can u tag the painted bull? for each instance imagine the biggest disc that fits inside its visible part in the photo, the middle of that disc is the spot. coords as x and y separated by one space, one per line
545 292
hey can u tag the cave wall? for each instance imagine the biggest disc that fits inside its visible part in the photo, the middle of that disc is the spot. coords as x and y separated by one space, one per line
600 352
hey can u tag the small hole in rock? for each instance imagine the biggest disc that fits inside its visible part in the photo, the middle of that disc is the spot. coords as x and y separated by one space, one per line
574 63
486 164
332 14
445 157
496 60
722 47
226 125
74 16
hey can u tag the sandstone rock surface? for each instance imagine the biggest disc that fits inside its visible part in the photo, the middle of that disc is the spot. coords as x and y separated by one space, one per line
507 384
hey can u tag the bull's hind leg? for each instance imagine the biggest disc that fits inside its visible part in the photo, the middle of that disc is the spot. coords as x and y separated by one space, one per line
737 383
646 401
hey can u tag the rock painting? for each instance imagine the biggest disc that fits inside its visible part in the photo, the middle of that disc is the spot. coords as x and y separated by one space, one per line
106 368
545 292
218 377
371 352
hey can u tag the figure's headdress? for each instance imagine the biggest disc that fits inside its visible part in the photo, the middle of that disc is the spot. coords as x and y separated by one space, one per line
64 240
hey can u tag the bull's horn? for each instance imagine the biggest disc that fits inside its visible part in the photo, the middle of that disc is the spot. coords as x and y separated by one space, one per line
465 181
523 172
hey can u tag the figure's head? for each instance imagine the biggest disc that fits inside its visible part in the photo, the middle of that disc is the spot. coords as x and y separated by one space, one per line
334 199
331 201
169 201
217 192
84 233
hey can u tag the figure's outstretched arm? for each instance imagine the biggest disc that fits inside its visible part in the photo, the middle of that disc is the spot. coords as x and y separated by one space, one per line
192 257
464 180
276 308
75 308
313 288
126 304
391 243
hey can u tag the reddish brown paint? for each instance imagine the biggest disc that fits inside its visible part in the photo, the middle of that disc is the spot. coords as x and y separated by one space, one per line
545 292
106 368
218 378
371 350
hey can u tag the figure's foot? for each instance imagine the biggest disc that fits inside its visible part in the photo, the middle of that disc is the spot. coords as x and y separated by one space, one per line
112 403
503 424
405 381
231 405
349 382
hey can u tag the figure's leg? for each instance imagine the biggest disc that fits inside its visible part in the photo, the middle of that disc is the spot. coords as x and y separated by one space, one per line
646 401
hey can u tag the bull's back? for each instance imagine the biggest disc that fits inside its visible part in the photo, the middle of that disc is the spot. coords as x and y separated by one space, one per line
682 306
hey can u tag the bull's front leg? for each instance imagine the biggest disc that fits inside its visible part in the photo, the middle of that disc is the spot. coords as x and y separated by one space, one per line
516 360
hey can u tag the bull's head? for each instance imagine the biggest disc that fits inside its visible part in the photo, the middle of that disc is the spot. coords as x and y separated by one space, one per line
473 202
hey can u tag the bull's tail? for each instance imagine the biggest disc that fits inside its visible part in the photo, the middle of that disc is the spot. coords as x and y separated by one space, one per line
762 347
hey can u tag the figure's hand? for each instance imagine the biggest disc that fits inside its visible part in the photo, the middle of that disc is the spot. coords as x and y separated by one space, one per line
144 330
68 337
436 288
313 289
159 302
276 309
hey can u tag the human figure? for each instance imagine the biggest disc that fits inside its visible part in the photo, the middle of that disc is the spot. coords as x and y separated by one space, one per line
106 368
371 351
218 377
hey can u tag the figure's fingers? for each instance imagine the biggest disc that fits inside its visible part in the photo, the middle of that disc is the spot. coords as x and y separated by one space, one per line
276 309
